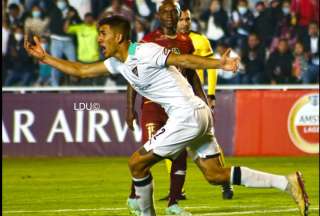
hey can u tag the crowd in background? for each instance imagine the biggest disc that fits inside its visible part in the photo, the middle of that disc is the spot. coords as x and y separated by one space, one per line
278 40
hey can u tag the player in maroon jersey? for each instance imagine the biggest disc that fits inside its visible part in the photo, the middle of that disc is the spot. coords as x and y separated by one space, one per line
153 116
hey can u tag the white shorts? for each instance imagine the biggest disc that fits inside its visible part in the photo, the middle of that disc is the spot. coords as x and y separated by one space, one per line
190 127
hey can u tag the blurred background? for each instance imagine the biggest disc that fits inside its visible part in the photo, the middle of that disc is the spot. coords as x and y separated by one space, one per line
278 40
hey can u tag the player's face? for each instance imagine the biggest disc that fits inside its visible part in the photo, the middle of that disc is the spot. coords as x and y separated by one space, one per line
184 24
107 41
169 15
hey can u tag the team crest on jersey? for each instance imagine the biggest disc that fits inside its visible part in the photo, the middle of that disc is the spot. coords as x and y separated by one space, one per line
135 71
303 123
175 50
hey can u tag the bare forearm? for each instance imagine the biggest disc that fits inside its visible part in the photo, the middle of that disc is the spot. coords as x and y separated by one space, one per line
131 97
196 62
71 68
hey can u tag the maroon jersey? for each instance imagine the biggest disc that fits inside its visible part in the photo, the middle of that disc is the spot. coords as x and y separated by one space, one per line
153 116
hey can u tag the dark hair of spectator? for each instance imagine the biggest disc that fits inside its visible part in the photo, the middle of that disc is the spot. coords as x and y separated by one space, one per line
89 14
118 23
313 23
13 6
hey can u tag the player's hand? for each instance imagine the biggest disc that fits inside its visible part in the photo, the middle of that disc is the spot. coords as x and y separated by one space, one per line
229 64
130 117
34 50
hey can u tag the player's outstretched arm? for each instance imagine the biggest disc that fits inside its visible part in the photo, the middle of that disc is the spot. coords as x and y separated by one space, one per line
199 62
68 67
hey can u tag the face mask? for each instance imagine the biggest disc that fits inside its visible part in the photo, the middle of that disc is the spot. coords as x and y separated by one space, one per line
18 36
286 10
36 14
61 5
242 10
217 8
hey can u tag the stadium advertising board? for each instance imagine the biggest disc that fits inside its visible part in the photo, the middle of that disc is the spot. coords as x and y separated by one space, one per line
82 124
277 122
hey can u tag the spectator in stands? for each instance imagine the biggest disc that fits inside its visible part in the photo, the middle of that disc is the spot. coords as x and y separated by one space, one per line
88 48
264 23
304 12
140 29
82 6
61 43
311 43
226 77
98 7
279 64
216 19
14 17
145 9
44 69
38 22
20 64
284 29
242 21
119 8
253 57
5 39
300 65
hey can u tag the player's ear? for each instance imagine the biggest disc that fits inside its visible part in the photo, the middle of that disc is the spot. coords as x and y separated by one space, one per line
119 38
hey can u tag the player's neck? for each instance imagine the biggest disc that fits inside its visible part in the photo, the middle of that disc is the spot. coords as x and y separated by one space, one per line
122 53
169 33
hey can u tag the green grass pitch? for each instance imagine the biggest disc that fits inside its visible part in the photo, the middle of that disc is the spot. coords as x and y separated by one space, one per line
99 186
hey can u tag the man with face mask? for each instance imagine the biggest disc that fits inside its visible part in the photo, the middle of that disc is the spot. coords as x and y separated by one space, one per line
242 21
38 22
20 64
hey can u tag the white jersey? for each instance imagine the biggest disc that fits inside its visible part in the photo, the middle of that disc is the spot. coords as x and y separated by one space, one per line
146 71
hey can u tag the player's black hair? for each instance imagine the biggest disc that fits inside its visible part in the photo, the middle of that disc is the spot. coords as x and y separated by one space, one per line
118 23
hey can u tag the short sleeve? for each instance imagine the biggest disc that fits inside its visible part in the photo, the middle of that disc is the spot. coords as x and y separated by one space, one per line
113 65
154 54
73 29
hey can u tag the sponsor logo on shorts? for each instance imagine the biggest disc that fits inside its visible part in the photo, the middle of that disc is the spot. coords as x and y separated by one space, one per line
303 123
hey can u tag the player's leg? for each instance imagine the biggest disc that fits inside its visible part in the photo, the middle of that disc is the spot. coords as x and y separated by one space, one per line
140 163
215 174
227 190
149 126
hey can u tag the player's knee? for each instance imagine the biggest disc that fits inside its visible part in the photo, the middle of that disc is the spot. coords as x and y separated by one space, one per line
137 168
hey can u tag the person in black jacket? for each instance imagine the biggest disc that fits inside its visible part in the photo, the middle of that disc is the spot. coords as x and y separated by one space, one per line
61 43
20 65
253 59
216 19
279 64
242 21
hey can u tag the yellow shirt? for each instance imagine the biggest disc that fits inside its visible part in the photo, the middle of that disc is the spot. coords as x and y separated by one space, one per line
202 47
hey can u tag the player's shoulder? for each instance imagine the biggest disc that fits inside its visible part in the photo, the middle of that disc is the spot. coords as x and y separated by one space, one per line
197 36
183 37
151 36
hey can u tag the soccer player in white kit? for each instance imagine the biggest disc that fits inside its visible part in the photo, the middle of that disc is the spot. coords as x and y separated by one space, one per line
151 71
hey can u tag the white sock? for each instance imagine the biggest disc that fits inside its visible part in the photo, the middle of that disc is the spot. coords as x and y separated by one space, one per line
253 178
144 192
